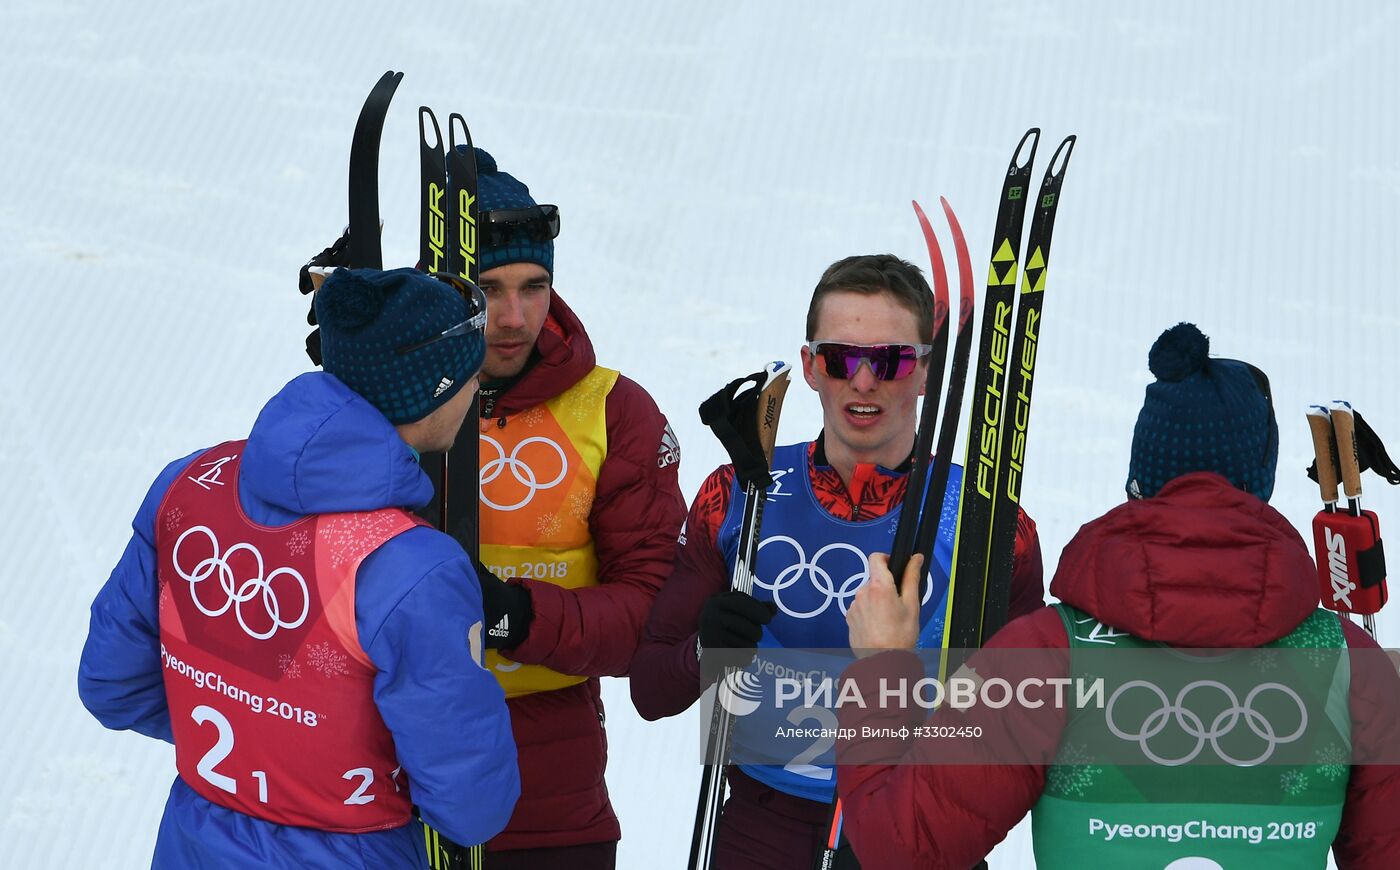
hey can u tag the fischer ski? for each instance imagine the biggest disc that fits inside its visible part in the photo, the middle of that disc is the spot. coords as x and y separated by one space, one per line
461 476
433 227
744 416
447 229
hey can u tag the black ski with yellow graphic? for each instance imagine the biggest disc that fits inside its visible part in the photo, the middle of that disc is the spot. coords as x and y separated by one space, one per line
447 243
980 585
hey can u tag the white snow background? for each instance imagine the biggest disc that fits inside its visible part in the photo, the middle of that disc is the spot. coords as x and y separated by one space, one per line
168 167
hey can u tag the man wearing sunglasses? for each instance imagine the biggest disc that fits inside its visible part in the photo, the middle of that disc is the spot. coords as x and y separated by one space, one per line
869 327
580 508
314 651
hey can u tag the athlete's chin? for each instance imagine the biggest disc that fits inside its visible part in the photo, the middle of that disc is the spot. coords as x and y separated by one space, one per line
863 439
501 369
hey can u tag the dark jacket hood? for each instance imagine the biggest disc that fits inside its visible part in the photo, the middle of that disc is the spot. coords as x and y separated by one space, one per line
1201 564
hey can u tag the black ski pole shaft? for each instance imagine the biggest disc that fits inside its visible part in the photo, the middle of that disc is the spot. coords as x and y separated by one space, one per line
760 406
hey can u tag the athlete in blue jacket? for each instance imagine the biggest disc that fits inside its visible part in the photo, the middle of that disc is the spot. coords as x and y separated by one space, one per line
311 649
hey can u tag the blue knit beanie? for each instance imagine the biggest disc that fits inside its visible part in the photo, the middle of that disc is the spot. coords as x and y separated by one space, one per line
1202 414
366 315
501 190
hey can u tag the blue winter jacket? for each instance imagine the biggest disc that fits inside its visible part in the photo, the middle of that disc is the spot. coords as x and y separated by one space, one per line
316 448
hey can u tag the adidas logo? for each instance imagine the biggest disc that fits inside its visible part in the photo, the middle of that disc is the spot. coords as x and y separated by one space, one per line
442 387
502 628
669 453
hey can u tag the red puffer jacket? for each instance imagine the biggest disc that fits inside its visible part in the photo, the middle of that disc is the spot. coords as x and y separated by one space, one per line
1201 564
636 514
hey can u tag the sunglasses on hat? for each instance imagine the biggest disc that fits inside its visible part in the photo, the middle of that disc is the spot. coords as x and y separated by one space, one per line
475 322
888 362
535 223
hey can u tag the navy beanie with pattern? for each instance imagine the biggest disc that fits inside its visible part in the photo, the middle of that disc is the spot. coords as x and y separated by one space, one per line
1202 414
501 190
366 315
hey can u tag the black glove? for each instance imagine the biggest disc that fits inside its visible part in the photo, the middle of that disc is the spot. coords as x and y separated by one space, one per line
1370 454
732 414
507 607
734 620
309 280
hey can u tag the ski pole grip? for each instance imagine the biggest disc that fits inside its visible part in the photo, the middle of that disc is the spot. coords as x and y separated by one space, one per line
1325 449
1345 426
770 403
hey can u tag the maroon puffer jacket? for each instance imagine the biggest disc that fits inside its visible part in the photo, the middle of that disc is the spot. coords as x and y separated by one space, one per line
1201 564
636 515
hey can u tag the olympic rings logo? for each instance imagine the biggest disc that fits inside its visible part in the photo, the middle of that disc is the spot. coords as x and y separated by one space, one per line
520 470
1221 725
821 580
234 592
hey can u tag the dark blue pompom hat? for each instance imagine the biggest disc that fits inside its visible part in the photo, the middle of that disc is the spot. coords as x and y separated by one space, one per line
1203 414
501 191
403 340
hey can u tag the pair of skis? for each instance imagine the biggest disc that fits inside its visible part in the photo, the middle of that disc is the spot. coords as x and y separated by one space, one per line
447 243
979 586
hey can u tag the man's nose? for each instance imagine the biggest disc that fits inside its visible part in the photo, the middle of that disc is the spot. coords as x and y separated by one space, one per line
864 380
505 311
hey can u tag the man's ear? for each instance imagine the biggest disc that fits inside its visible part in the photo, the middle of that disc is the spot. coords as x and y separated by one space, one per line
808 360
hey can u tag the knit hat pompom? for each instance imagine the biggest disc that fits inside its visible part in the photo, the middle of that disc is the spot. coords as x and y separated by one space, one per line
1179 353
484 161
353 303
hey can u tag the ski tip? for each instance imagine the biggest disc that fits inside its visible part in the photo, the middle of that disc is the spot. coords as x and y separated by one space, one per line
1060 161
456 122
1318 411
1024 155
1341 405
776 369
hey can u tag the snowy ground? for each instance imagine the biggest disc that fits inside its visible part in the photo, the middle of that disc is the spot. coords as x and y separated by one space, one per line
165 173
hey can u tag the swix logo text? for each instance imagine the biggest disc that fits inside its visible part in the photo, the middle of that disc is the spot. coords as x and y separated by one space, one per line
1342 586
992 401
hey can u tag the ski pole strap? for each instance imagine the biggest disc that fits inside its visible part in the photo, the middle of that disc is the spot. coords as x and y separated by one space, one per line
730 414
1370 453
